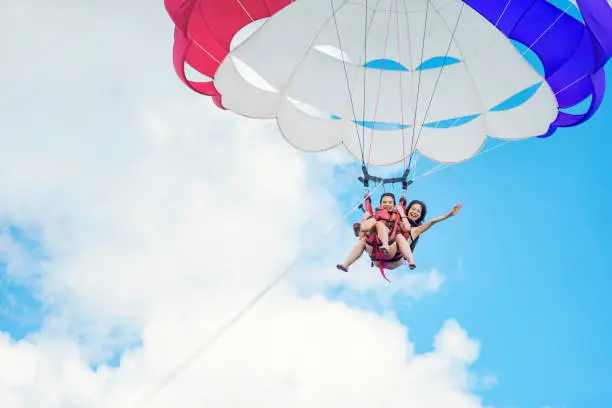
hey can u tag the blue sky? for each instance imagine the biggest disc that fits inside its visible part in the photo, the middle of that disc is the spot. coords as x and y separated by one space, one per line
526 264
21 310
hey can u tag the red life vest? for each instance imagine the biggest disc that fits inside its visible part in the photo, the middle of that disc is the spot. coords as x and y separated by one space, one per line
391 220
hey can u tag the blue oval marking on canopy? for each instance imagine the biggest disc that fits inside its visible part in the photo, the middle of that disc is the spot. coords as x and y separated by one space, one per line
437 62
385 64
517 99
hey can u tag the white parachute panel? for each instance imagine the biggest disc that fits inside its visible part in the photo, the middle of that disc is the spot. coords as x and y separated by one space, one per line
312 54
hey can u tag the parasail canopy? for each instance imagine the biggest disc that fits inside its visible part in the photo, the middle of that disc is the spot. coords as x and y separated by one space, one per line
388 78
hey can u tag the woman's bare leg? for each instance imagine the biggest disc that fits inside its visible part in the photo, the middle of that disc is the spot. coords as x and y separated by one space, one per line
354 255
404 248
358 227
383 234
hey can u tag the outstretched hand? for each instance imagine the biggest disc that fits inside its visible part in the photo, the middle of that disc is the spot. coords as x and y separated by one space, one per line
455 209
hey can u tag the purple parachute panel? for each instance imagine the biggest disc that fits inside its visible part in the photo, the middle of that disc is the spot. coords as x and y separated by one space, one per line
572 53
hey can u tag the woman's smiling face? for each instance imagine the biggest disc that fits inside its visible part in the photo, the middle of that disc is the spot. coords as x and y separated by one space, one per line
414 212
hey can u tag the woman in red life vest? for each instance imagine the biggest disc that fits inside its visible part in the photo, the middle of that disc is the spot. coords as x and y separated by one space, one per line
382 234
411 227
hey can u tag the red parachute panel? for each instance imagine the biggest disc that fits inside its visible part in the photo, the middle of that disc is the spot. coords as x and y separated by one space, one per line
204 30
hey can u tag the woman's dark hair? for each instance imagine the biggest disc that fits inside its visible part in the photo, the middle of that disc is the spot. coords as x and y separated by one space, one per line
417 222
387 195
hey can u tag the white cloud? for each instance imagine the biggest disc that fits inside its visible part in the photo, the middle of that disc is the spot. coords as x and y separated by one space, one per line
161 216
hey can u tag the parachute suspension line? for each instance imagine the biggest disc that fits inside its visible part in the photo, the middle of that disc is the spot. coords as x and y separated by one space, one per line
538 39
435 169
442 166
572 84
365 71
502 13
416 104
245 10
366 176
403 179
351 172
181 368
542 35
547 29
249 14
379 87
411 167
204 50
433 93
348 85
401 93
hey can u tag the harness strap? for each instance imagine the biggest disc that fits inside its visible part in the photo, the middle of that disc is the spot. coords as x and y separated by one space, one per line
374 240
368 204
377 255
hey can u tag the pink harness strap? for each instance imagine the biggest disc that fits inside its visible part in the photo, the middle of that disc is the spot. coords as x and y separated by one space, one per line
374 240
